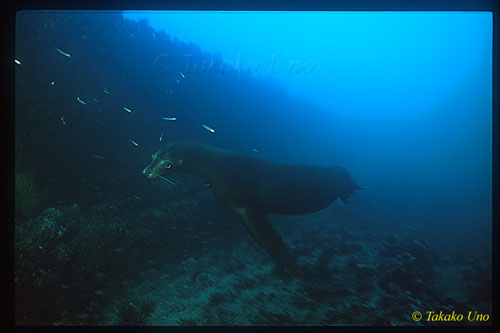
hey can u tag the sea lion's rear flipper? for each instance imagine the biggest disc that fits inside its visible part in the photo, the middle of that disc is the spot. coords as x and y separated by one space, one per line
263 232
344 182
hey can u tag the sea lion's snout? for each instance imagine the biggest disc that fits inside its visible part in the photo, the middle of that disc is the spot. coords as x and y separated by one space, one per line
163 163
148 172
157 168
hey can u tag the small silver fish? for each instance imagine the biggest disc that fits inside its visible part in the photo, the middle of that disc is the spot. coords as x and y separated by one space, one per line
127 109
161 137
183 76
255 150
211 130
99 157
99 292
81 101
63 122
118 250
169 118
176 80
106 91
52 83
96 100
136 197
63 53
133 142
17 61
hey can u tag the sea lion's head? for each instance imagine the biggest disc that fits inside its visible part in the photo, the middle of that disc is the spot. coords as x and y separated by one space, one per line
168 159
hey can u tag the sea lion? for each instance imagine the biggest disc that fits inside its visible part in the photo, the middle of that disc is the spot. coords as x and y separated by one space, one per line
252 188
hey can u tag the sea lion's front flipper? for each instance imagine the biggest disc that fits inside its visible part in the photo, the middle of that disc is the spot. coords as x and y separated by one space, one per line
263 232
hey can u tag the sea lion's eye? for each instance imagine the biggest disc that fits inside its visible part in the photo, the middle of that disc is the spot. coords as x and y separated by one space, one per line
167 164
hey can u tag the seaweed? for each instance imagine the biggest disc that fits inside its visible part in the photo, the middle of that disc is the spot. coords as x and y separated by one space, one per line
28 196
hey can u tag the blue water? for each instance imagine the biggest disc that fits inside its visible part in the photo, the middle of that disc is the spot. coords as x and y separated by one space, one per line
403 100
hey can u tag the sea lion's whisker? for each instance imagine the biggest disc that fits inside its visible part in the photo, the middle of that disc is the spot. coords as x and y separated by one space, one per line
167 180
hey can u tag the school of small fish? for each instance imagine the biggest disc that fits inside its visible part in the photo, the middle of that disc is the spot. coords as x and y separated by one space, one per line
178 79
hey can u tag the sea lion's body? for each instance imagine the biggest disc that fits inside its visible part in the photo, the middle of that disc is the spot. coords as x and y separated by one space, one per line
251 187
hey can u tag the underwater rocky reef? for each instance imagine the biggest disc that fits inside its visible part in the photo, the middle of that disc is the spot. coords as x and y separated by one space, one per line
188 262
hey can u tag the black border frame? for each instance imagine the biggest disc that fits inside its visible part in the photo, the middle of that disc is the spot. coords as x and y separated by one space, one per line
8 15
